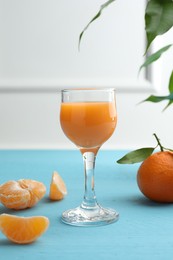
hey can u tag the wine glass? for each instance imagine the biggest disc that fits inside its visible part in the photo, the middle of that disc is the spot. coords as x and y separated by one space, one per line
88 118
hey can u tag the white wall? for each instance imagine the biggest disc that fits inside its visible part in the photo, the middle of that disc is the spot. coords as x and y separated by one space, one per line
39 55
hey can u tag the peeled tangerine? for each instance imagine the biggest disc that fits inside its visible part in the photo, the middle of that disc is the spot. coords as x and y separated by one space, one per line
21 194
23 230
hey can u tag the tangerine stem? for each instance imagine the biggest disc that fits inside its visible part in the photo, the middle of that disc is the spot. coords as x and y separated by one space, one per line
159 144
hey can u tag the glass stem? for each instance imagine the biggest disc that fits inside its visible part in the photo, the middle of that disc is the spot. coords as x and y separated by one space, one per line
89 200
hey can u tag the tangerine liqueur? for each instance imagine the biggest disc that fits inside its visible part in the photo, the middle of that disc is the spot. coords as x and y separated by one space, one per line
88 124
88 118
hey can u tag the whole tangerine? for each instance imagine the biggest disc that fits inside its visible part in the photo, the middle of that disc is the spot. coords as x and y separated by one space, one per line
155 177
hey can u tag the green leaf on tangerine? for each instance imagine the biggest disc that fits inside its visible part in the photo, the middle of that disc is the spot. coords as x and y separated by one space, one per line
155 56
103 6
136 156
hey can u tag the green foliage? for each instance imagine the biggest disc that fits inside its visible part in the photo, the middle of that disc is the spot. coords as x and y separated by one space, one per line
170 87
141 154
94 18
155 56
136 156
158 18
169 98
157 99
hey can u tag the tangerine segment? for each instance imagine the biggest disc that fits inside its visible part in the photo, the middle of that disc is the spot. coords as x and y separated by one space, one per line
57 187
23 230
21 194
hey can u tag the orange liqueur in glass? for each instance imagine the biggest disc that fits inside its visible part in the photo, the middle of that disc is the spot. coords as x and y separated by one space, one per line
88 124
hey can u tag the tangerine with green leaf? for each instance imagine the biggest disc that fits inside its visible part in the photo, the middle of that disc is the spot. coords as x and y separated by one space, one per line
155 177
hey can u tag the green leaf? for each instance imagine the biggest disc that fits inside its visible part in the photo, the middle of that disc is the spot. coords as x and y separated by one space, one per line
171 83
169 103
136 156
155 56
158 18
94 18
157 99
170 87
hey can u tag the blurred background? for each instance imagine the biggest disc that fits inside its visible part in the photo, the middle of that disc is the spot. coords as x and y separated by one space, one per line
39 56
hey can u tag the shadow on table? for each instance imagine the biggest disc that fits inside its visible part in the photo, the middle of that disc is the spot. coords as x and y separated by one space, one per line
6 242
6 210
142 201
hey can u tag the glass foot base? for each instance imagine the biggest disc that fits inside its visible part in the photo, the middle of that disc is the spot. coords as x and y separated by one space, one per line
96 216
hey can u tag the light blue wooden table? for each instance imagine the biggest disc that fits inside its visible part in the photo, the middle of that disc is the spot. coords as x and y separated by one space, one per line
144 230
